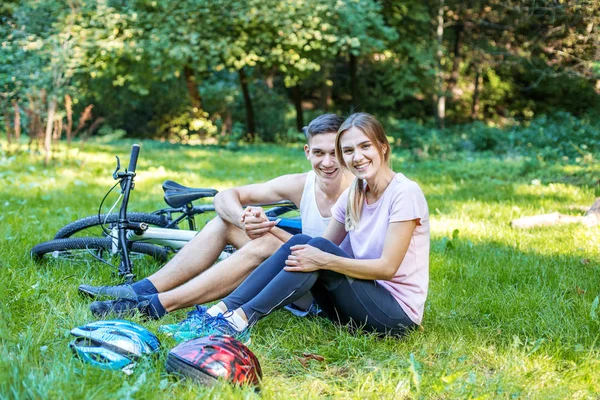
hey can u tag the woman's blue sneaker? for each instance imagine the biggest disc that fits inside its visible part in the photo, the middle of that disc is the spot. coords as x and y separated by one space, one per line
218 325
222 326
195 320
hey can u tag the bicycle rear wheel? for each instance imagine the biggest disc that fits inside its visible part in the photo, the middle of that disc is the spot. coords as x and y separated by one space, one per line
85 248
90 226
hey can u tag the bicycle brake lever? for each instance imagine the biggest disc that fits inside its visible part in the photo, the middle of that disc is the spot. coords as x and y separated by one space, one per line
115 175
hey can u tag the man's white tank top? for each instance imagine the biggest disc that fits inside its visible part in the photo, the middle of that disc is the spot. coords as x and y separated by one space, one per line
313 223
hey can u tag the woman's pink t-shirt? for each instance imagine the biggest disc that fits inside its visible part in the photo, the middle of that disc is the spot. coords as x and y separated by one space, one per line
402 200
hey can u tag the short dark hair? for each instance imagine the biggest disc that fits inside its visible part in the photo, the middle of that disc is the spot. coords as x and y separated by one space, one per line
326 123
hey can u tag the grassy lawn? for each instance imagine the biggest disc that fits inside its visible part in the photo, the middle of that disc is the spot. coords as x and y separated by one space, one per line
510 313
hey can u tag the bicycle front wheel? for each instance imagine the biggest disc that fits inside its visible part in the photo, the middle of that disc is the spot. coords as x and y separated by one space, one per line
85 248
91 226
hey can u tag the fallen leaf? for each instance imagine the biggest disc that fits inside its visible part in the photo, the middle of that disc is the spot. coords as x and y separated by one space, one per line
585 261
580 291
311 356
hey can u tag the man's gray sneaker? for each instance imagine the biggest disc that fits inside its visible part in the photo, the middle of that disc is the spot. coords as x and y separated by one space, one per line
148 306
122 308
114 292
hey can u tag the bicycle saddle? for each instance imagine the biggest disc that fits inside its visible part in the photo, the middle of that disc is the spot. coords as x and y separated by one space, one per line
177 195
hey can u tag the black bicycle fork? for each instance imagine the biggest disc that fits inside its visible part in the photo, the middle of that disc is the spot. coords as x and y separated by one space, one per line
127 185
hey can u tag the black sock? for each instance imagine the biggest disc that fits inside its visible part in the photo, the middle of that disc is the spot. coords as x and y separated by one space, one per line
144 287
155 309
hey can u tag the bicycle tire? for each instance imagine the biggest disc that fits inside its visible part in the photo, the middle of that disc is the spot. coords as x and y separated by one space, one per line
87 244
93 221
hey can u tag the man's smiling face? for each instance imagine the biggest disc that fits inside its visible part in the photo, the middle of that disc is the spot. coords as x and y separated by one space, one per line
320 151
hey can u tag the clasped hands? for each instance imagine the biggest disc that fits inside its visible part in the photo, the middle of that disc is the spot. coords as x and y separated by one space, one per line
256 223
304 258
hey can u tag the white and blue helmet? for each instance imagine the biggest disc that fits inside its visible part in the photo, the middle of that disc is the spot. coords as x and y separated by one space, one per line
113 344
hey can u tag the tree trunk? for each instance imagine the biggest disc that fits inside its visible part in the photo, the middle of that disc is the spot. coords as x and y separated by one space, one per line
30 111
457 57
270 79
192 87
475 105
325 96
441 111
69 111
40 134
248 105
8 127
227 123
35 121
440 97
298 105
17 121
49 126
57 132
354 82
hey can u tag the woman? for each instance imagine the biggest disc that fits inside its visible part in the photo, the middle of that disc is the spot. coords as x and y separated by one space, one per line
383 286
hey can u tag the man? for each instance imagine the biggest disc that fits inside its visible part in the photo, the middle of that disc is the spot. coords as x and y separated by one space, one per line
187 279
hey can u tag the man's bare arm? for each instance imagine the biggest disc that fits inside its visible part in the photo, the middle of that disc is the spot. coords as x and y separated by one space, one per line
229 203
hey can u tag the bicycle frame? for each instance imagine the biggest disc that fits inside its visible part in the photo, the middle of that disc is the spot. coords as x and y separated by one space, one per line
186 212
172 238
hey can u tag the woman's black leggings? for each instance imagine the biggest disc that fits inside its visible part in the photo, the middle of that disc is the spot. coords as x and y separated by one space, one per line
345 300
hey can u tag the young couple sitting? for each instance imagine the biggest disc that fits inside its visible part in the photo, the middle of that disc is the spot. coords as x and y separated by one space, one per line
363 253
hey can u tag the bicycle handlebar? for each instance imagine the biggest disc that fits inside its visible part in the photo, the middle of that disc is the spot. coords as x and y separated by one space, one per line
135 151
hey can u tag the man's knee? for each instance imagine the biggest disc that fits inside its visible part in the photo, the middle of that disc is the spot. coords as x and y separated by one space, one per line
217 220
233 234
216 224
261 248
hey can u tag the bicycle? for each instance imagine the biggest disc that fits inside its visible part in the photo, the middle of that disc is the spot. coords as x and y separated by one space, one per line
155 234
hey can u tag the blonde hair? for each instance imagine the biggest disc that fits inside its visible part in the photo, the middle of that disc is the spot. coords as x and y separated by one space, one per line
368 125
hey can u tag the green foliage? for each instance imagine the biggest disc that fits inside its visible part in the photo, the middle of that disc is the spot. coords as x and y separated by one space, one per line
392 79
423 140
481 137
558 136
190 125
142 64
222 95
561 136
272 108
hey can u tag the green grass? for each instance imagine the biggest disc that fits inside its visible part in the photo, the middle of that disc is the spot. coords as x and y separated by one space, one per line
509 313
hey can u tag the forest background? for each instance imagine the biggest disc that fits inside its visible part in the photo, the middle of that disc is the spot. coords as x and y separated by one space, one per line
442 75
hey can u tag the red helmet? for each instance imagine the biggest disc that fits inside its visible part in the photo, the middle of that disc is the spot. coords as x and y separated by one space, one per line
212 357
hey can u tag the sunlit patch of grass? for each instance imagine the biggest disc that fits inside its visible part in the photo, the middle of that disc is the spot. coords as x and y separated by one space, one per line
509 312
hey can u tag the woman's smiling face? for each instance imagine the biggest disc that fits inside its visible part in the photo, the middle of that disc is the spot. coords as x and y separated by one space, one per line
361 155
